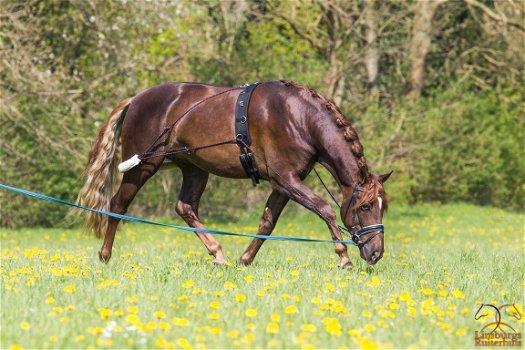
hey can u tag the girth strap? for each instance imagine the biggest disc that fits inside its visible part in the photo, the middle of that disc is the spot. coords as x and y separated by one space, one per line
242 134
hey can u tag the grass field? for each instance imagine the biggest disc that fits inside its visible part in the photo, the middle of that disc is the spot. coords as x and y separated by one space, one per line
161 290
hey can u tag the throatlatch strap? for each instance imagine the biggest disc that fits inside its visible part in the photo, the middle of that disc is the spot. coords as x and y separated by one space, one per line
242 134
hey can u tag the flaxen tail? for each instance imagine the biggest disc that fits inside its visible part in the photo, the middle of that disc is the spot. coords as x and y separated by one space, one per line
101 170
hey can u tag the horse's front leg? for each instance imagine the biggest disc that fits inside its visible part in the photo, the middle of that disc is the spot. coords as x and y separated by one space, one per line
273 208
307 198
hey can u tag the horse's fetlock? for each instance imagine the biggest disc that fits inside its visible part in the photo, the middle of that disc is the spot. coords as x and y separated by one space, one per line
214 248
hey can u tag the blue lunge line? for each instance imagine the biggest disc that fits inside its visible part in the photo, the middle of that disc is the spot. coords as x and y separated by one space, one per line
149 222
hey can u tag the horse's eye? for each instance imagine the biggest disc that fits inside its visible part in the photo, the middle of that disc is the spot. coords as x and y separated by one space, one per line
366 207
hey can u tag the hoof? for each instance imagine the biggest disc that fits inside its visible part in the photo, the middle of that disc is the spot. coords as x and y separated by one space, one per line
346 264
218 261
244 262
104 259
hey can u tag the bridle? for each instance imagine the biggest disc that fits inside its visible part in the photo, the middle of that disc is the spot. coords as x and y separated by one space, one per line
356 234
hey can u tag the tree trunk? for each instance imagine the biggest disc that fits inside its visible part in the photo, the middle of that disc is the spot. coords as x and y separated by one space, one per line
420 44
372 55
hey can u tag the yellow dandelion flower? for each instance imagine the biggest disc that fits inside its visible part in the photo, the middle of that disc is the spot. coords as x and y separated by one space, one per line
329 287
251 313
181 322
374 282
248 278
332 325
249 337
132 318
393 306
307 347
104 313
316 300
70 308
214 316
25 326
79 338
443 293
458 294
291 309
426 291
272 327
165 326
16 347
228 285
461 331
132 309
53 338
69 289
95 330
308 327
188 284
50 300
366 313
118 313
465 311
159 314
411 311
161 343
275 317
133 299
369 327
183 343
218 294
240 298
294 273
261 293
443 325
215 304
233 333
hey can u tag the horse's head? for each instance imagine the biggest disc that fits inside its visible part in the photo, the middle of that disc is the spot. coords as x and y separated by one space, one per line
362 214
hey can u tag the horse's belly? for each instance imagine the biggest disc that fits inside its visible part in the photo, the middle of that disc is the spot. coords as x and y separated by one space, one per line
220 160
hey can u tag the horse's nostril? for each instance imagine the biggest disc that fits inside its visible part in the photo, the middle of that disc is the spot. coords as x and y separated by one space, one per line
375 256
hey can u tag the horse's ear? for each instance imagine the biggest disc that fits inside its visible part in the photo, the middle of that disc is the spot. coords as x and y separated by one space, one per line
384 177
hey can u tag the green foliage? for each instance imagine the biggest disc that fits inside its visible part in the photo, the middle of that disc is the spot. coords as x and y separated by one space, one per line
456 145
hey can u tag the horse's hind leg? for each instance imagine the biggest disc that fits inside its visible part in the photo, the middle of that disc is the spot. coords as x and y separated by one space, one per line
131 183
194 182
272 210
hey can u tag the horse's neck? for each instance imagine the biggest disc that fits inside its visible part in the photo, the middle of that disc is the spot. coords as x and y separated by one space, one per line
336 155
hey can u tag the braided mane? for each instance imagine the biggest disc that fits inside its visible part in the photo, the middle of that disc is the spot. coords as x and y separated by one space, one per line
372 187
349 132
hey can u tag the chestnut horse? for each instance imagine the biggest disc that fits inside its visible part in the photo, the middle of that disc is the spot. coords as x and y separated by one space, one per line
291 128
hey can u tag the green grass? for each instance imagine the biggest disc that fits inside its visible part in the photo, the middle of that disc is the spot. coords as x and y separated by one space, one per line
161 289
